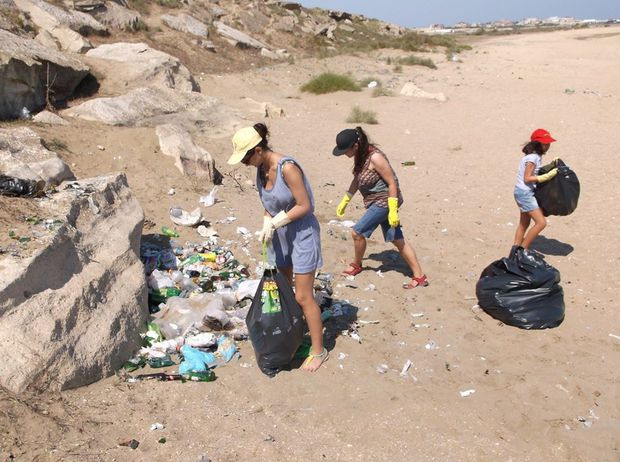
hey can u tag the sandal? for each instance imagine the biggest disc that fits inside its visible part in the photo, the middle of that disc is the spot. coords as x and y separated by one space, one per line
422 281
324 357
357 269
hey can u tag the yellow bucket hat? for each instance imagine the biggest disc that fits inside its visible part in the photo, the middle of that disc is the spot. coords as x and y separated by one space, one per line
243 140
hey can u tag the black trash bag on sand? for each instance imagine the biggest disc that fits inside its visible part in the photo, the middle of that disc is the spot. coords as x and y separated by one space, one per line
275 323
11 186
558 196
522 290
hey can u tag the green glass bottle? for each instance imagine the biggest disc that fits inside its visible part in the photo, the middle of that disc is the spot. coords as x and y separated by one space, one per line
205 376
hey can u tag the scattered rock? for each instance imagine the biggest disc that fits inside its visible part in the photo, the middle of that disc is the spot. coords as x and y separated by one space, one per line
190 158
23 155
118 17
49 118
186 23
278 54
69 40
236 37
131 64
48 16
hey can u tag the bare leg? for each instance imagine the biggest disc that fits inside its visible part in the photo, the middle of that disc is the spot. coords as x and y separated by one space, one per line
359 246
539 224
524 222
305 297
409 256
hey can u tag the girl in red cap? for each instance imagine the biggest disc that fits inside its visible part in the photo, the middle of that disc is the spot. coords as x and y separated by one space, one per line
539 144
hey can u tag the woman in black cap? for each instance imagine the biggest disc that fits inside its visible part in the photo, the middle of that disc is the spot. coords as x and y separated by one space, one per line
375 179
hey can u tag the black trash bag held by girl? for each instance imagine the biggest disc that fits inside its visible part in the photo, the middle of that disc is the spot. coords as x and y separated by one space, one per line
275 323
522 290
558 196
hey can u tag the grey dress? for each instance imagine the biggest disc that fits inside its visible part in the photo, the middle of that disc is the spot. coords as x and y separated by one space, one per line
297 244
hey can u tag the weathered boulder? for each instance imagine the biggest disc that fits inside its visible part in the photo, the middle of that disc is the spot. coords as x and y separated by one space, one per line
190 158
117 16
136 64
25 69
69 40
72 313
236 37
186 23
411 89
151 106
48 16
49 118
22 155
47 40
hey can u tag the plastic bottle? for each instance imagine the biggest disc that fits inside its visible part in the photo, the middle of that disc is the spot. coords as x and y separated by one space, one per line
169 232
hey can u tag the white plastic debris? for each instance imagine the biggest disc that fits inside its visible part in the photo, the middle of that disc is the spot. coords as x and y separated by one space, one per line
617 337
431 346
345 223
101 147
243 231
405 368
372 84
157 426
466 393
206 232
202 340
379 273
416 315
382 368
171 192
210 198
342 356
184 218
371 287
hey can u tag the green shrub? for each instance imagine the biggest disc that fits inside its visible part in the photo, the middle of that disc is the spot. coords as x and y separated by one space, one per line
329 83
416 61
359 116
381 91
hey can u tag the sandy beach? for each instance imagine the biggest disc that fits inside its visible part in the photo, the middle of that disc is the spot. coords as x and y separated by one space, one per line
537 395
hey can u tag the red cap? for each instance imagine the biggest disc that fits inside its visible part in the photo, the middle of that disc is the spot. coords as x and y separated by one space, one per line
541 135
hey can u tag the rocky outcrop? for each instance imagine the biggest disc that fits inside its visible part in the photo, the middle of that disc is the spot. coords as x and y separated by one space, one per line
49 118
136 64
186 23
190 158
47 16
117 16
72 313
149 106
64 39
236 37
22 155
26 67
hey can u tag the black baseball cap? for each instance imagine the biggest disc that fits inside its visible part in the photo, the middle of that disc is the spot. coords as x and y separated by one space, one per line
344 140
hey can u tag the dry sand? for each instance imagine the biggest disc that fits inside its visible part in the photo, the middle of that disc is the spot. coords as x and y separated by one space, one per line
531 387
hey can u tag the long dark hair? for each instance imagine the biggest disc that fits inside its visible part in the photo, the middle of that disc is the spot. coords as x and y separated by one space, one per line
361 155
533 147
263 131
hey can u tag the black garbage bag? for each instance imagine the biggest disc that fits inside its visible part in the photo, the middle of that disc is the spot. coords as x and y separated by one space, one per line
558 196
11 186
275 323
522 290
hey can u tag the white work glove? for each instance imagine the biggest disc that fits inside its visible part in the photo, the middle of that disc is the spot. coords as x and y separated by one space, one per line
271 224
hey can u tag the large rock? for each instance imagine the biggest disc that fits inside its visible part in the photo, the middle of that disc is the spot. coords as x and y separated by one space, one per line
25 69
237 37
49 118
129 65
64 39
22 155
186 23
151 106
72 313
114 15
190 158
47 16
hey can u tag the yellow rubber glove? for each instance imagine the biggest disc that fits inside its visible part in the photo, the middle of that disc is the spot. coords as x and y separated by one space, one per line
393 219
547 176
343 205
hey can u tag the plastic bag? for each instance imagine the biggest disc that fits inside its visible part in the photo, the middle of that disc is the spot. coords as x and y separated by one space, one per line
522 290
275 323
558 196
11 186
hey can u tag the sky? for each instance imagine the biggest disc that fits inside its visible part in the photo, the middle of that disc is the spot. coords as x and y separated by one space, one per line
422 13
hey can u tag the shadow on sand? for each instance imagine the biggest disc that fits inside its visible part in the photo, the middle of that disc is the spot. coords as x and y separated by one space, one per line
551 246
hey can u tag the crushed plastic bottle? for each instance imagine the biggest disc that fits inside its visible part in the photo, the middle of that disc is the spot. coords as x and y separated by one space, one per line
169 232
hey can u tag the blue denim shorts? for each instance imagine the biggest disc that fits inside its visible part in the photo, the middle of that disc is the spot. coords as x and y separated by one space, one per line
376 215
525 200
